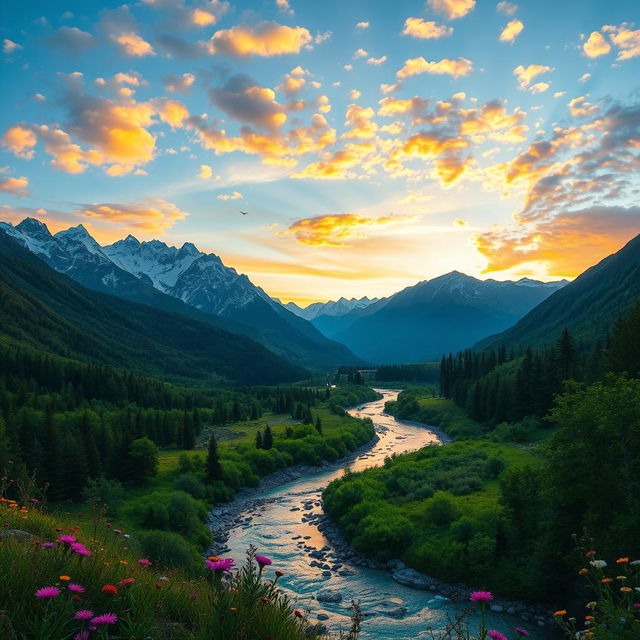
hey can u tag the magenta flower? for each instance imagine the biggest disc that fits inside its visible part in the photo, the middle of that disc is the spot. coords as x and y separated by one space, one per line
496 635
144 562
481 596
223 564
82 635
521 632
80 549
67 539
47 592
263 561
118 531
84 614
105 618
47 545
75 588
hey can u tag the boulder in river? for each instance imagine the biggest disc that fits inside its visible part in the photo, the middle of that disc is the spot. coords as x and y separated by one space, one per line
329 595
412 578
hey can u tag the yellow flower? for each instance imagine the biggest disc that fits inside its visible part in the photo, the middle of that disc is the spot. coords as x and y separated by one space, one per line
626 589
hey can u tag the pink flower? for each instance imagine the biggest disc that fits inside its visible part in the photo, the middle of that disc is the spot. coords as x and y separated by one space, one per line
47 545
75 588
521 632
118 531
84 614
83 635
47 592
496 635
223 564
144 562
263 560
80 549
481 596
67 539
105 618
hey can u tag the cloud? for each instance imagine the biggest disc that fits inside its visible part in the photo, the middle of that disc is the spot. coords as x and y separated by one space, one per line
626 39
539 87
452 9
15 186
584 77
173 112
337 165
9 46
360 53
338 229
580 108
241 99
133 45
71 40
206 172
266 39
178 84
511 31
596 45
362 25
175 47
359 121
202 18
283 5
235 195
455 68
397 106
20 141
354 94
508 8
526 74
419 28
377 61
152 215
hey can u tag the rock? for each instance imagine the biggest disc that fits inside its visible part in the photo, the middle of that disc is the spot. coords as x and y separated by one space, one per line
511 611
346 572
328 595
496 608
326 574
396 612
322 616
412 578
16 533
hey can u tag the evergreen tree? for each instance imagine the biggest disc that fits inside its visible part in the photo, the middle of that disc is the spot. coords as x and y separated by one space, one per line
259 440
318 425
267 441
213 468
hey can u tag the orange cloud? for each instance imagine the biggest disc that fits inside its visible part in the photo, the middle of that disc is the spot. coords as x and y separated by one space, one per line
526 74
15 186
133 45
596 45
452 9
179 84
206 172
202 18
172 112
9 46
20 141
359 119
265 40
455 68
235 195
419 28
626 39
152 215
338 229
511 31
580 108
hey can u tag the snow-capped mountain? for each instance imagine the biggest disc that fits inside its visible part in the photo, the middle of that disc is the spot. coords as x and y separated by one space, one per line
178 279
330 308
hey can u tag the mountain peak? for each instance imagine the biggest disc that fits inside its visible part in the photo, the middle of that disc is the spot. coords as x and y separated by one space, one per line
190 248
78 232
132 240
31 225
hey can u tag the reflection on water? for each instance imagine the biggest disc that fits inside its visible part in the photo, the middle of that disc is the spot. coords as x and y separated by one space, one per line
282 527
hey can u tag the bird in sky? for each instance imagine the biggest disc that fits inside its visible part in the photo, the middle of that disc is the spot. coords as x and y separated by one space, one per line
244 213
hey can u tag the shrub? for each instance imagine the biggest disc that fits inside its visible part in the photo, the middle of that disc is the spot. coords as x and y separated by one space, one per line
191 484
440 509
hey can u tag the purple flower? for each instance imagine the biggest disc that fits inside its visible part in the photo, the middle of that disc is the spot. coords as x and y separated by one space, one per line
144 562
47 592
47 545
105 618
75 588
83 635
263 561
117 531
481 596
521 632
84 614
223 564
496 635
67 539
80 549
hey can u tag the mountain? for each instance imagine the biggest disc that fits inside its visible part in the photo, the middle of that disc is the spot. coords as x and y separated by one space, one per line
182 280
437 316
49 311
588 306
330 308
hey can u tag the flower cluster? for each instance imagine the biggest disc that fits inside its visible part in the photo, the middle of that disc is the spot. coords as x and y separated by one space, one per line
483 598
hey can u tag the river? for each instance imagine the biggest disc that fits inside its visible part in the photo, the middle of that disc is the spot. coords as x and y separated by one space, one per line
280 523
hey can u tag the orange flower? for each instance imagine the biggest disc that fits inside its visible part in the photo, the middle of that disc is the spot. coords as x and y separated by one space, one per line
214 558
65 578
590 554
562 612
110 588
605 580
625 589
589 618
622 560
582 572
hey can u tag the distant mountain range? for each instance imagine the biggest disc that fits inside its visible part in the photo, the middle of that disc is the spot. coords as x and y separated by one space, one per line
587 306
436 316
330 308
49 312
182 280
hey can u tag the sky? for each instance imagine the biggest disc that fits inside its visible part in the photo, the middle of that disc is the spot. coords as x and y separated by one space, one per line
372 144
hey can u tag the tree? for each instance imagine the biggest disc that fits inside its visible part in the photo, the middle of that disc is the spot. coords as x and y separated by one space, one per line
318 425
213 468
259 440
566 355
623 353
142 459
267 441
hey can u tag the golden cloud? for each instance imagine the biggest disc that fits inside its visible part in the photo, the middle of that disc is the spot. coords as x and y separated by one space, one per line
452 9
455 68
152 215
265 40
173 112
419 28
596 45
235 195
526 74
206 172
511 31
626 39
20 141
133 45
338 229
202 18
15 186
359 121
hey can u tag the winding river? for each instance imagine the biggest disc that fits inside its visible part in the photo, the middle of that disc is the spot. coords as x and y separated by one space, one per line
281 523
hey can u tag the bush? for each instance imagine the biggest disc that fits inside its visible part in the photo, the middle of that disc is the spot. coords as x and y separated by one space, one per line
440 509
168 549
191 484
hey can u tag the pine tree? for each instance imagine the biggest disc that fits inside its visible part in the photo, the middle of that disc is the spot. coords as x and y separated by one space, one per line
267 441
213 468
259 440
318 425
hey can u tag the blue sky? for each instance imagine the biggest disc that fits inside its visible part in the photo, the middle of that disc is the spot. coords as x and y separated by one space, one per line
373 144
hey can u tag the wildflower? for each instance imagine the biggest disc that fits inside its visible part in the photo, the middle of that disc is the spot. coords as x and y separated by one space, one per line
562 612
590 554
297 613
583 571
223 564
80 549
622 560
144 562
598 564
605 580
47 545
481 596
163 578
626 589
75 529
110 589
75 588
496 635
521 632
213 558
232 609
123 562
82 635
636 605
621 577
634 563
158 585
193 596
126 581
264 599
105 618
65 578
591 605
84 614
47 592
67 539
263 561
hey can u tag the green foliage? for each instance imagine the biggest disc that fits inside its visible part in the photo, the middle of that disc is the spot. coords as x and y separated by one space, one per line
441 509
142 460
